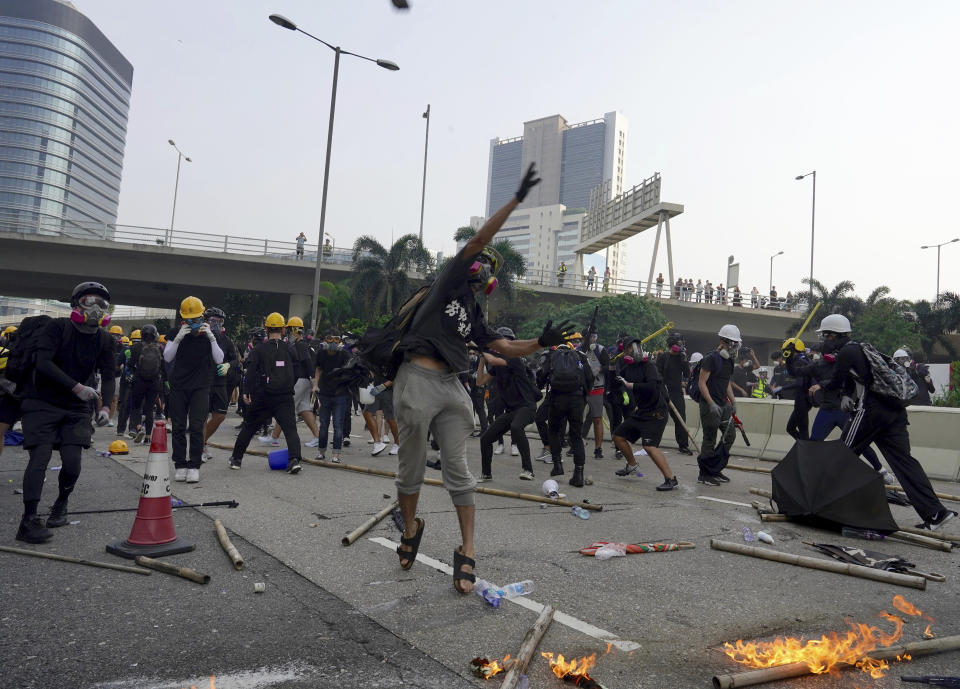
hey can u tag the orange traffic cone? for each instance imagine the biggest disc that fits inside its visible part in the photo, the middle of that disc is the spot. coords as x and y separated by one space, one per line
153 534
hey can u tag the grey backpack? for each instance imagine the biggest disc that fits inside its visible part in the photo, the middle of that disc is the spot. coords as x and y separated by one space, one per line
890 380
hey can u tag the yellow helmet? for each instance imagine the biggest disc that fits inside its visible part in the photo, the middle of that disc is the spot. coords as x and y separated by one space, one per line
574 336
275 320
191 307
295 322
162 339
116 330
125 340
119 447
135 336
9 329
4 354
797 346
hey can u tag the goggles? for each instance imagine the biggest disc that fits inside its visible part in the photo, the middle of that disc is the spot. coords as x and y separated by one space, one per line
91 301
332 338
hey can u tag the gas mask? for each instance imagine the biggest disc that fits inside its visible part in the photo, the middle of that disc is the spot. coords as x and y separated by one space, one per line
194 324
729 349
91 310
216 326
634 353
483 271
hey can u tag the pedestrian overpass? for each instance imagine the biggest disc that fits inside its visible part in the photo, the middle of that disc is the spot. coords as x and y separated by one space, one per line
151 267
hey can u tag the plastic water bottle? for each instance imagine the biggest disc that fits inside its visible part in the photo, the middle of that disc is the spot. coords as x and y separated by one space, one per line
176 503
747 534
865 534
764 537
609 550
519 588
488 592
524 683
578 511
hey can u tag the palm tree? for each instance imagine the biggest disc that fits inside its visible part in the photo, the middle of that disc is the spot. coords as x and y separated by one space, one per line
335 306
840 299
380 278
514 264
935 321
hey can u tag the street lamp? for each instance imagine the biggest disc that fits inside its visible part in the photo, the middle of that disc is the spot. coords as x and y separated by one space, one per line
771 269
813 220
282 21
423 196
176 185
937 246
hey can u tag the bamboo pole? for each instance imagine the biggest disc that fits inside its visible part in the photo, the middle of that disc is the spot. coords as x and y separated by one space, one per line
929 534
436 482
744 467
167 568
774 517
74 560
942 496
528 647
227 545
824 565
925 541
772 674
683 425
762 492
367 525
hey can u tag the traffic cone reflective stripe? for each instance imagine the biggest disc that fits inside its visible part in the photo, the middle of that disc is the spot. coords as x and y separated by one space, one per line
153 533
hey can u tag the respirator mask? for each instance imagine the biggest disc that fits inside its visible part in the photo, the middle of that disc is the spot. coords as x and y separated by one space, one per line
91 310
483 271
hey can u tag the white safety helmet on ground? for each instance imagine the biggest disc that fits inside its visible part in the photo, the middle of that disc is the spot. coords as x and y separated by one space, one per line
730 332
835 323
550 488
366 395
695 357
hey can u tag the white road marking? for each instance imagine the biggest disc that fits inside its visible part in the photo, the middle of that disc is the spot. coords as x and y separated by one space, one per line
524 602
729 502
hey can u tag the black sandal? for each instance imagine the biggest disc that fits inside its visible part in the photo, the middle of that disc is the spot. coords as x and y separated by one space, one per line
459 560
413 543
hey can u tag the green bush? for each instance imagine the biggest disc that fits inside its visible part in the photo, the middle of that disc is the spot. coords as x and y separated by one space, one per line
952 396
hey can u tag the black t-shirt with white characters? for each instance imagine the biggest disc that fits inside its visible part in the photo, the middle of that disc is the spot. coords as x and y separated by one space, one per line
448 318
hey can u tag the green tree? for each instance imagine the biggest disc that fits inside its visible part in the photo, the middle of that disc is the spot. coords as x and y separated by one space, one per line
245 310
935 321
883 325
514 264
335 306
621 313
380 279
951 396
841 299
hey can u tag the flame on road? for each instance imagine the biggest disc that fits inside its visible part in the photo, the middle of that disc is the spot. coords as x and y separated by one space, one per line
576 667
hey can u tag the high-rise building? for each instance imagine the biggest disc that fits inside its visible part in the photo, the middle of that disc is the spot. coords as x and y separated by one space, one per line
64 101
572 160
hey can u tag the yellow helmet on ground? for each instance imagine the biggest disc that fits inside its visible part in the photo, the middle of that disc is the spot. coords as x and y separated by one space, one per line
162 339
9 329
116 330
295 322
125 340
135 336
275 320
119 447
191 307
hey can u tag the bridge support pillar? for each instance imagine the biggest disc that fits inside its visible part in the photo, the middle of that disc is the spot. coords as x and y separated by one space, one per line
299 306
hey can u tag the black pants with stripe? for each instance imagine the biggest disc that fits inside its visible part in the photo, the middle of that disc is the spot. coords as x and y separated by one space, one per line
886 427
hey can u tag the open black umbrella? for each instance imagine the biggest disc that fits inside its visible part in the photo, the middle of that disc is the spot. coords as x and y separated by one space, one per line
826 482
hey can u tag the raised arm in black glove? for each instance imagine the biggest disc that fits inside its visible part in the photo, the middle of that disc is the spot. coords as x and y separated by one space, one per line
530 180
553 335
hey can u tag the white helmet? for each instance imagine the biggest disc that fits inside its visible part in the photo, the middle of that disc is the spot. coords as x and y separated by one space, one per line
366 395
901 354
695 357
550 488
730 332
835 323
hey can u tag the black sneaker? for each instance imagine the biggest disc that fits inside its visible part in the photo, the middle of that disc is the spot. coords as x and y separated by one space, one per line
628 470
235 464
570 452
435 464
293 466
32 530
685 451
618 455
346 442
707 480
722 478
668 484
58 515
598 453
484 478
938 520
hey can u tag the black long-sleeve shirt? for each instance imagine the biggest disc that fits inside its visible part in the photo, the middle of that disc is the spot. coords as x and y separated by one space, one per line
647 386
66 356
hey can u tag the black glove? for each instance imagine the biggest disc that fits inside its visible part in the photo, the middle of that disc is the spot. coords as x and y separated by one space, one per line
530 180
553 335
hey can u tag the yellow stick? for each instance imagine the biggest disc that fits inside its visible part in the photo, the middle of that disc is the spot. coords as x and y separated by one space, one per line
649 337
809 318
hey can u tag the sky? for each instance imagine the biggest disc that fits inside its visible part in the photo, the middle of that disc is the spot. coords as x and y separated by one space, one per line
728 101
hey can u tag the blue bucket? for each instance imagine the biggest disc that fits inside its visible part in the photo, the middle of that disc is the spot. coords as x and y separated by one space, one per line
278 459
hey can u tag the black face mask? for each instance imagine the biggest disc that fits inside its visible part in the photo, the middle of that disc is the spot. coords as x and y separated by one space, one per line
831 345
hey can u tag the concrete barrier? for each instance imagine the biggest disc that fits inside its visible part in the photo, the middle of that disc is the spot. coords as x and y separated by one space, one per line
757 420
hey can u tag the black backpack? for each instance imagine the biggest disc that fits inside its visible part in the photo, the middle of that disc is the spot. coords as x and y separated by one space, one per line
279 374
566 371
693 382
151 358
23 350
377 347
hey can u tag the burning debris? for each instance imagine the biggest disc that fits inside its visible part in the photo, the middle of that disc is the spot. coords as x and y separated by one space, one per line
484 668
574 671
863 646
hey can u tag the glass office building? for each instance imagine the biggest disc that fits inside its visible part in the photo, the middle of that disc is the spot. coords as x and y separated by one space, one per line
64 101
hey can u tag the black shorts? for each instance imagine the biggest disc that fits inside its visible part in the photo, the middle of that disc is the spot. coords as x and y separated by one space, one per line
9 410
647 428
45 424
218 399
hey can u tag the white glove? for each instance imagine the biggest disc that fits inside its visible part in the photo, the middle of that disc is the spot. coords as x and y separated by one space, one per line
84 392
183 332
222 369
715 409
847 404
103 417
205 329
